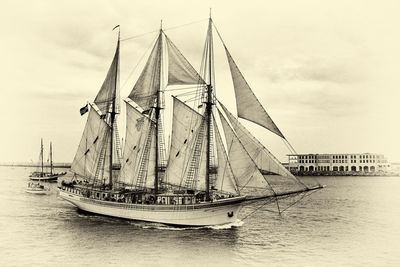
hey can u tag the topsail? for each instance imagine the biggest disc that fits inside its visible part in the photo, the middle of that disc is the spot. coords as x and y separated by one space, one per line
180 71
144 93
247 104
108 91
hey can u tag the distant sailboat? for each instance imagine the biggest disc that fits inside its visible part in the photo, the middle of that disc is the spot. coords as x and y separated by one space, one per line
207 177
41 174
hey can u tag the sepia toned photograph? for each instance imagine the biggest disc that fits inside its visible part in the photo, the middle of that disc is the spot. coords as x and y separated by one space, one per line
200 133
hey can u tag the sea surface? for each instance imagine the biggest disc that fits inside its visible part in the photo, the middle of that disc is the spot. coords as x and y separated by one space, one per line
354 221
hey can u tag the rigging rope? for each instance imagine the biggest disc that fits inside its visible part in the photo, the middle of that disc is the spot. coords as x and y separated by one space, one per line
268 201
254 211
165 29
184 25
137 36
137 64
177 89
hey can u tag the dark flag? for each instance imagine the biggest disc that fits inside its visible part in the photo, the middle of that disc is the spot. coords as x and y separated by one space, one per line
145 112
103 116
84 109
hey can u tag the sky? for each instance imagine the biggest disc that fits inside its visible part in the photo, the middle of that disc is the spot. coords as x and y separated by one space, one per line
327 72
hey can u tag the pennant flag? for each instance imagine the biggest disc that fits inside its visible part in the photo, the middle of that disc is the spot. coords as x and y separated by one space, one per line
147 111
103 116
84 110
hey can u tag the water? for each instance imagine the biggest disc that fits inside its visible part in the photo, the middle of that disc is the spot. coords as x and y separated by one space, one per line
355 221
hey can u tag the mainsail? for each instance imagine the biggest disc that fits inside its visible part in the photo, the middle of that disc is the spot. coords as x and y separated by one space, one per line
92 147
138 163
94 157
186 126
247 104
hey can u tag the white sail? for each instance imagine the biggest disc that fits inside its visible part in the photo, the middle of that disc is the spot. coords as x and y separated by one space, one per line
95 139
265 161
108 91
144 93
139 129
185 127
248 106
195 174
180 71
249 179
117 156
225 180
148 180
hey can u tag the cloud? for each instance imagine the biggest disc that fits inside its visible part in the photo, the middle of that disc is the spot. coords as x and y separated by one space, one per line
339 70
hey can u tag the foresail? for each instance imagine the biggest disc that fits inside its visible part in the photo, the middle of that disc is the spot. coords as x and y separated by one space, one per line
280 179
94 141
264 160
138 165
248 106
249 179
185 127
180 71
144 93
108 91
225 180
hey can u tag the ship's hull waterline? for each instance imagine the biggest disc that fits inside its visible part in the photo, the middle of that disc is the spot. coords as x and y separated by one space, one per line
214 213
36 192
52 178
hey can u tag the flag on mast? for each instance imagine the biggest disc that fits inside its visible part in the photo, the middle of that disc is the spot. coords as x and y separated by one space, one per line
84 109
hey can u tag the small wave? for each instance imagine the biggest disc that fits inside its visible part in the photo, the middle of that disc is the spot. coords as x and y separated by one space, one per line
160 226
234 224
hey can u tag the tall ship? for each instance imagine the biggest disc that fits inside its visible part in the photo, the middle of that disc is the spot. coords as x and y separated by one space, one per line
45 173
212 165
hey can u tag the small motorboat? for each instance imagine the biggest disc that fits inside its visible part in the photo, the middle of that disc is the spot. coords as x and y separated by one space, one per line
37 188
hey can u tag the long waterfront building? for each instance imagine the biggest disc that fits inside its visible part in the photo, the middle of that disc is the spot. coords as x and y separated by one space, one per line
364 162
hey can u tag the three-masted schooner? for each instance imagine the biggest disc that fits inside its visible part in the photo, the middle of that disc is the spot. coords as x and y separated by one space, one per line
207 177
42 175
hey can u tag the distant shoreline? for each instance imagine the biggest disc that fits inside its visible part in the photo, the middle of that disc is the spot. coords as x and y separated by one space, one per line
55 165
61 165
64 165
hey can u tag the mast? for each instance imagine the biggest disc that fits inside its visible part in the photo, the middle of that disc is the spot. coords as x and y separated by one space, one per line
157 117
112 114
209 104
41 152
51 160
